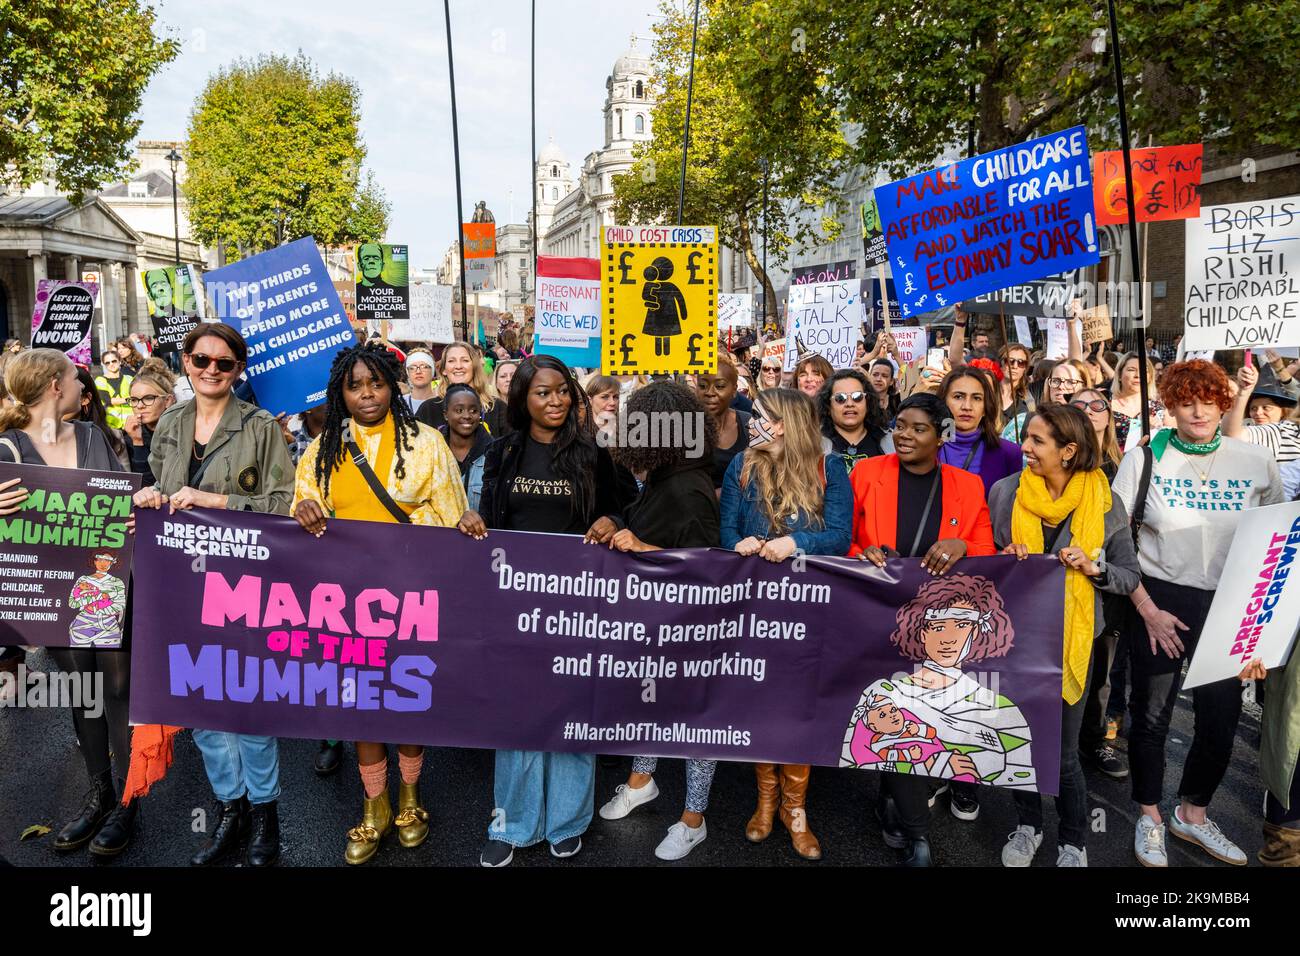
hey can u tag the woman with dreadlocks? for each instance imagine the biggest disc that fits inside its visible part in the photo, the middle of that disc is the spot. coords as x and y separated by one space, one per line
547 475
371 440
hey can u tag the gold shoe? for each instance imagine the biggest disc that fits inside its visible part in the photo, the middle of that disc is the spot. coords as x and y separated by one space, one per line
412 820
376 820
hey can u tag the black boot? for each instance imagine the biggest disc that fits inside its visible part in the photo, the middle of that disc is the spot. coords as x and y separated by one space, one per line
329 758
99 804
115 835
891 829
264 842
917 853
231 828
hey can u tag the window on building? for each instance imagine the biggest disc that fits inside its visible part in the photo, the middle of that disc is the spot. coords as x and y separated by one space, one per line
555 194
640 123
137 190
523 263
620 123
555 172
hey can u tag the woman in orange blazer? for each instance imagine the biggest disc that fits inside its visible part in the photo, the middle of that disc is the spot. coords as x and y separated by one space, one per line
907 505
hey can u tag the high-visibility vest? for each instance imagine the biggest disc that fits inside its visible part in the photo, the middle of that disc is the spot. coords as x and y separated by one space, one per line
117 404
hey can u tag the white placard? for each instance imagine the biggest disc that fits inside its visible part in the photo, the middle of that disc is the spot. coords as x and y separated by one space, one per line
1242 272
1256 606
1023 333
1058 339
827 319
912 342
735 310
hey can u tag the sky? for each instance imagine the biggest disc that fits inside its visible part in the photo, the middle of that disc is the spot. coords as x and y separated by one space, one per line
399 61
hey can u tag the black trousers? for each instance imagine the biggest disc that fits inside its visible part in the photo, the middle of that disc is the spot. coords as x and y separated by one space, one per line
1155 682
911 797
1279 815
1092 724
105 739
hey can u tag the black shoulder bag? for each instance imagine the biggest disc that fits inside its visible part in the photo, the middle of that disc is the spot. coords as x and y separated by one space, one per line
368 473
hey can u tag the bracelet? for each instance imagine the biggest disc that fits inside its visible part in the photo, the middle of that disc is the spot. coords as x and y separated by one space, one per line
1146 600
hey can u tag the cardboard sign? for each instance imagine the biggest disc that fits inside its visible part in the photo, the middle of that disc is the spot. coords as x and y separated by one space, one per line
991 221
175 304
1242 272
1256 607
827 319
824 272
659 291
873 236
1166 184
382 283
567 322
912 342
430 316
480 255
1096 324
63 317
735 310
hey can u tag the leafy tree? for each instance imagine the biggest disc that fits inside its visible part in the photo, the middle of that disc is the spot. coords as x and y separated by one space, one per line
917 76
370 212
274 154
731 139
72 73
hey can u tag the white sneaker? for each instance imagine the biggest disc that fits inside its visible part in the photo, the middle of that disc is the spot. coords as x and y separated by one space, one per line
681 840
1068 855
1021 846
1149 842
937 793
626 799
1208 837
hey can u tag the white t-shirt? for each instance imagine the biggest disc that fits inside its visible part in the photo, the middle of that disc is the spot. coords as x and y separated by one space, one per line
1187 528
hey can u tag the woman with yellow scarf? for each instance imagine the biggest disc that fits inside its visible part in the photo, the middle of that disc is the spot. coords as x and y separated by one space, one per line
1061 504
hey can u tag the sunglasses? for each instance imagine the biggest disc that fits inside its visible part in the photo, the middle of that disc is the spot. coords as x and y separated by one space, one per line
201 361
1017 363
843 398
1096 405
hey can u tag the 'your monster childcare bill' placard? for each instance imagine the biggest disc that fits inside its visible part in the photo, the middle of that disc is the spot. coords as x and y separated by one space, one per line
65 557
541 642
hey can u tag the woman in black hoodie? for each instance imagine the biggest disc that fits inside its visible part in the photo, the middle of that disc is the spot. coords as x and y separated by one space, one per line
677 508
467 437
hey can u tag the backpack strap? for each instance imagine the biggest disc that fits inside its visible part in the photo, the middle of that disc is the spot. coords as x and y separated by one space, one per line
1143 489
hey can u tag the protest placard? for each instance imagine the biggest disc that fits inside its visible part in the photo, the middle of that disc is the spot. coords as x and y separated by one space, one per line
774 349
824 272
539 642
1255 608
875 311
1058 339
912 342
735 310
480 255
65 557
1096 324
827 319
873 236
1037 299
63 316
430 317
1023 334
659 291
991 221
175 304
1242 274
382 283
283 303
1166 183
568 317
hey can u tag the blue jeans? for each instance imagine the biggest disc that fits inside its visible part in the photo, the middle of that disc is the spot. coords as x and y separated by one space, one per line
539 796
239 764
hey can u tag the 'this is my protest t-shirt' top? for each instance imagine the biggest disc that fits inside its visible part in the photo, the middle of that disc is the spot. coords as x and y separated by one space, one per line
540 500
1189 521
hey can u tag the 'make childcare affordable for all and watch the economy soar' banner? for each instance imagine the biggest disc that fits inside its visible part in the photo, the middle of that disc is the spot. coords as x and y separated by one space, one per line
541 642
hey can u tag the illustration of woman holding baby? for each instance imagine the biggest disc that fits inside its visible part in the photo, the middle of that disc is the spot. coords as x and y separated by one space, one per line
100 601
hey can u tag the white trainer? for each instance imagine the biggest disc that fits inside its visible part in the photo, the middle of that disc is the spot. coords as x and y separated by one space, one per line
1021 846
681 840
1149 842
625 800
1208 837
1069 855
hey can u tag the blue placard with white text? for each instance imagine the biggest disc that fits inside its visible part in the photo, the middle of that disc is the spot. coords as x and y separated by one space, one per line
994 220
285 306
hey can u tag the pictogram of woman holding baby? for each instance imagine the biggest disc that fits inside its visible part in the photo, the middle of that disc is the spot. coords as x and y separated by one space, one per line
100 602
939 721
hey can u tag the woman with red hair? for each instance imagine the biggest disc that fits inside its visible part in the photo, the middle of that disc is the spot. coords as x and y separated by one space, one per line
1186 493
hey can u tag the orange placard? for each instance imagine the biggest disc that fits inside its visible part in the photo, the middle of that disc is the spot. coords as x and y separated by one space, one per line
1166 184
480 239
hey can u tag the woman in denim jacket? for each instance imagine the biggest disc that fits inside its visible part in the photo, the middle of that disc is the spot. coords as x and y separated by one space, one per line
778 497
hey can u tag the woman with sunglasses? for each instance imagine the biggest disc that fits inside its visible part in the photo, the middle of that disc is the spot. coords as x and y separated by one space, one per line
852 420
41 427
217 451
1094 404
769 373
781 495
114 388
1126 397
548 475
1272 414
910 504
1017 399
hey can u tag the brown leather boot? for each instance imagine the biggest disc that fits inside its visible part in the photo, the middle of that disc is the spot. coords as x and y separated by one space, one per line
1281 846
759 826
794 789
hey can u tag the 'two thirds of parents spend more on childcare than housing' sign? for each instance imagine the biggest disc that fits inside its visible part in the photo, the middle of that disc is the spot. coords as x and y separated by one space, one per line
542 642
990 221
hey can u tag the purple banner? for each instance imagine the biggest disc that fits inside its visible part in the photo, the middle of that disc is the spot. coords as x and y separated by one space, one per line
63 316
540 642
65 557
